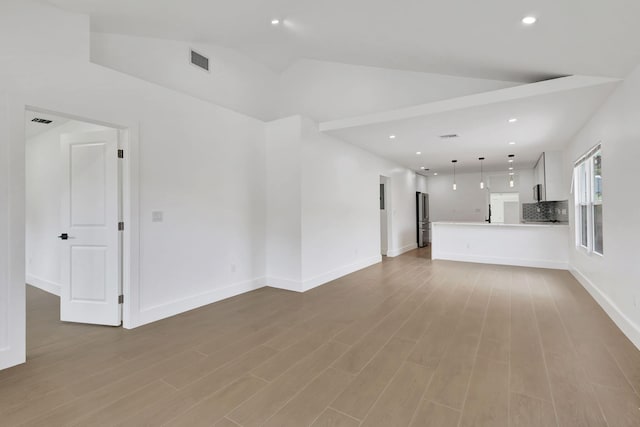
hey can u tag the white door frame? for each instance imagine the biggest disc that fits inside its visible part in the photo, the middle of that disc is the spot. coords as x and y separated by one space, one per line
12 127
388 211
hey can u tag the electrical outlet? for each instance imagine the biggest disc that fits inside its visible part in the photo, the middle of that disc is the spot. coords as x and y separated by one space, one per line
157 216
233 268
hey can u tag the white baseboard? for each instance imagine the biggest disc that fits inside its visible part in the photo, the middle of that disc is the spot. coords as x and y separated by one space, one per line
286 284
556 265
10 357
339 272
308 284
397 252
626 325
158 312
45 285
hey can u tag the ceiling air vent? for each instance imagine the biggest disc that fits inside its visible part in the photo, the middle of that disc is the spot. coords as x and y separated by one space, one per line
449 136
43 121
199 61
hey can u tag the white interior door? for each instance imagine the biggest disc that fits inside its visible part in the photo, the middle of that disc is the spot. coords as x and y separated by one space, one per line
89 239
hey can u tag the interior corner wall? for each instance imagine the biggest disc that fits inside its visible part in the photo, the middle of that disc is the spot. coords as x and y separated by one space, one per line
283 213
42 214
613 279
341 208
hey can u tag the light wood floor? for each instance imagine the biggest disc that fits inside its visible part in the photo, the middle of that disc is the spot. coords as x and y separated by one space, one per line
408 342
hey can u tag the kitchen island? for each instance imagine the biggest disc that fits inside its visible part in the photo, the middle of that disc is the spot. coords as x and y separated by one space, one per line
544 245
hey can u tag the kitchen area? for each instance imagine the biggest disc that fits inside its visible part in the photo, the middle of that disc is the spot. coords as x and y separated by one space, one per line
517 218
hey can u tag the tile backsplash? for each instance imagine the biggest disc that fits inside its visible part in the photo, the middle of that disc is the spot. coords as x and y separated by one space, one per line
546 211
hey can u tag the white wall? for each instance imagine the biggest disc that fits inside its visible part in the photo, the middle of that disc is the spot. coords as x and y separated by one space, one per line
199 163
323 213
234 81
326 91
34 28
502 244
341 209
11 324
284 199
43 192
613 278
422 183
469 202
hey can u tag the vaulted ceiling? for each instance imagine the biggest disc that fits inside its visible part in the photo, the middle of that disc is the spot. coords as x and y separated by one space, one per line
469 38
484 39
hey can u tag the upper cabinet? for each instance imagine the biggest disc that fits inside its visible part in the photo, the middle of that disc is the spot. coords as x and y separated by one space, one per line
548 172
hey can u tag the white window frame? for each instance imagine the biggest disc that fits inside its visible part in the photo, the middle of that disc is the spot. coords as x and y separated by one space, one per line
585 196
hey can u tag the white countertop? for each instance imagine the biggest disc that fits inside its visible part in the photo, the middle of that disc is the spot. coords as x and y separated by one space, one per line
493 224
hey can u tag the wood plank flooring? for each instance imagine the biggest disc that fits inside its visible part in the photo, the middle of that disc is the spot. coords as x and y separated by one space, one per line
408 342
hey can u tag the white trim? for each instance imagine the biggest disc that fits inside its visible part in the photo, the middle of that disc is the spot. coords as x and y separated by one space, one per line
162 311
518 262
546 87
44 284
397 252
626 325
339 272
321 279
286 284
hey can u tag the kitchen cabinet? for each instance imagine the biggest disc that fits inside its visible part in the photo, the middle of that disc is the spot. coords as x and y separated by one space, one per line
548 171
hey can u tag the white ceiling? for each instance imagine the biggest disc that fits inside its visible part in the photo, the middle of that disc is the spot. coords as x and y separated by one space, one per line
548 115
467 38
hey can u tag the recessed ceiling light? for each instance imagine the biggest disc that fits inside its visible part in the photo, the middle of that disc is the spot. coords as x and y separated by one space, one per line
529 20
392 137
435 174
418 152
275 21
510 160
511 173
510 169
513 120
512 143
422 167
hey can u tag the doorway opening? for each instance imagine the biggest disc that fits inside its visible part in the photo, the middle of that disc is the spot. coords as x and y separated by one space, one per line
385 216
505 208
73 226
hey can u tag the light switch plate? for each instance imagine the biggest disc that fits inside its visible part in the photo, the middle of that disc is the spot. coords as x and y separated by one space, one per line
157 216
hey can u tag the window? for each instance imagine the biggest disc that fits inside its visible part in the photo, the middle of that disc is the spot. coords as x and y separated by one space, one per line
588 200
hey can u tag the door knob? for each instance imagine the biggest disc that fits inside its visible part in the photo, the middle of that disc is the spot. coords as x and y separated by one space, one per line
63 236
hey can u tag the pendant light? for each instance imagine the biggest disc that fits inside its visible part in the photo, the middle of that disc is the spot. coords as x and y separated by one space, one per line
481 173
455 187
511 183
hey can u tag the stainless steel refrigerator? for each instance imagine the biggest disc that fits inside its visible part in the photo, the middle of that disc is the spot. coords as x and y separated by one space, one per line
422 219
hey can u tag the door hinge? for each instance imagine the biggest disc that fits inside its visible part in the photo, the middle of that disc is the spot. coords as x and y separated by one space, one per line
120 299
121 154
120 226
